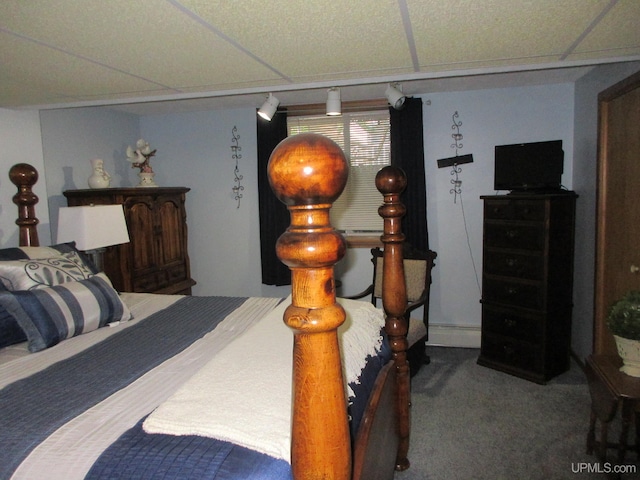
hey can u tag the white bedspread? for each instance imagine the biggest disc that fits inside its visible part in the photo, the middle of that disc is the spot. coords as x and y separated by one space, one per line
243 395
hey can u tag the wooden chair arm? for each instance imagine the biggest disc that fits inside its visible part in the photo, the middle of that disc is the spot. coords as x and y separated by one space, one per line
362 294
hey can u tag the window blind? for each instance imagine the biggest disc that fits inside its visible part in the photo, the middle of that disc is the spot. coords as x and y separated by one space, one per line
364 138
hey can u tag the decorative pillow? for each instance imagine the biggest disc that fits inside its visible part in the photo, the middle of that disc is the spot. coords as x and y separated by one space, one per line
23 253
10 331
52 314
43 272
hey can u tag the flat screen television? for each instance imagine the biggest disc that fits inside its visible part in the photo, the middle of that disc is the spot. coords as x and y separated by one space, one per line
529 167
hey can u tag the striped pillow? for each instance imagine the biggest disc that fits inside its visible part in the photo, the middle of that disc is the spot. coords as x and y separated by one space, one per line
52 314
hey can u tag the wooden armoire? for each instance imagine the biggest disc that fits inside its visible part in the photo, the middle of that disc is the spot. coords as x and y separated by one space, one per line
618 210
156 259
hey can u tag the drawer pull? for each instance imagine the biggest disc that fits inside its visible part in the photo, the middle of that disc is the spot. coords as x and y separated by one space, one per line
511 262
509 351
511 234
509 322
512 290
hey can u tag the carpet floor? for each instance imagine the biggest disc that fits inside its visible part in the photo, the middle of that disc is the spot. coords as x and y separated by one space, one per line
474 423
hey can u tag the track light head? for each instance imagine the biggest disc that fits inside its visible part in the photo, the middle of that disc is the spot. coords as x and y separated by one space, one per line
334 106
395 97
269 107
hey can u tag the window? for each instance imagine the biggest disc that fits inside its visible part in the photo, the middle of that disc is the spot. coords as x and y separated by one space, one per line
364 138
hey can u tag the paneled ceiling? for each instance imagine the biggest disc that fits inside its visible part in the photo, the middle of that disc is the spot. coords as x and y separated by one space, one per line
189 54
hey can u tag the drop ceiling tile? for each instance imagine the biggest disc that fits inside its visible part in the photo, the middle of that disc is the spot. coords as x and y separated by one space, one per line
57 74
151 39
494 31
618 33
16 94
315 40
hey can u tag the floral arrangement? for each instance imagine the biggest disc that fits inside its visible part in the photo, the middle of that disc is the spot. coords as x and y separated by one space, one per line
139 157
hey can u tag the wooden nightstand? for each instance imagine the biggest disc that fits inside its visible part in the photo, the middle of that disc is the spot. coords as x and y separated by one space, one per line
611 389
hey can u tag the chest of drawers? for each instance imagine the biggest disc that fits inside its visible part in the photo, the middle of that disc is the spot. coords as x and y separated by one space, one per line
527 283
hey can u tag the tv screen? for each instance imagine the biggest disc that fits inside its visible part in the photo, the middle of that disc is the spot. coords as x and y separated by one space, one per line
529 167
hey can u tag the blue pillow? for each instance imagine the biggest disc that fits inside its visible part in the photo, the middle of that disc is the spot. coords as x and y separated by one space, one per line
10 331
52 314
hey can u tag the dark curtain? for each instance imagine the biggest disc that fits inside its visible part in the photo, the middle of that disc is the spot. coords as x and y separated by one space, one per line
407 152
274 216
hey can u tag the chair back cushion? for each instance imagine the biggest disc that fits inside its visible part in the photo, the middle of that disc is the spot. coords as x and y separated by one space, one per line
415 272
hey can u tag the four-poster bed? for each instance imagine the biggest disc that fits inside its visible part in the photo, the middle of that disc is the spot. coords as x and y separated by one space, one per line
329 438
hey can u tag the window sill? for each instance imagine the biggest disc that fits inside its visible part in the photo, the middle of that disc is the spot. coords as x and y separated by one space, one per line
363 241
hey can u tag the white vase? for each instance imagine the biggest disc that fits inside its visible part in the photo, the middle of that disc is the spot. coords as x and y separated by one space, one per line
146 179
629 350
99 178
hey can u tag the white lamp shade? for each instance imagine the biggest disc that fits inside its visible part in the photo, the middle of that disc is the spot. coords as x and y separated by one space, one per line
269 107
394 96
93 226
334 106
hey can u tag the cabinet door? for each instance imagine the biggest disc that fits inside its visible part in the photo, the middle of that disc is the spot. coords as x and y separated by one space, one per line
170 234
140 221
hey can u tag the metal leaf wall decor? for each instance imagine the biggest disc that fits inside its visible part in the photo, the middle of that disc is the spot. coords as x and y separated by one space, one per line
236 156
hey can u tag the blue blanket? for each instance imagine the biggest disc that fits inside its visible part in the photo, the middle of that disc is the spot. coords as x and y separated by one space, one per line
32 408
139 455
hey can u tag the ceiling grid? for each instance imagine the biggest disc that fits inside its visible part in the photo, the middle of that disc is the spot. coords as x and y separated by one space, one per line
204 52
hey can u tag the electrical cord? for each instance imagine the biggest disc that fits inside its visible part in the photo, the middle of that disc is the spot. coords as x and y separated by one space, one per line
464 221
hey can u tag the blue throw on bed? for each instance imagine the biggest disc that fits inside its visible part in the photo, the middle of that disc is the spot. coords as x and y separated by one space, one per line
32 408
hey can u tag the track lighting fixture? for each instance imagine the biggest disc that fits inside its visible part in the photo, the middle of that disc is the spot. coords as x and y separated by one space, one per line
269 107
334 106
394 96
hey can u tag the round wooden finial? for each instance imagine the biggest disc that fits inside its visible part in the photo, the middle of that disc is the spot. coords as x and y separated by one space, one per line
23 174
307 169
390 180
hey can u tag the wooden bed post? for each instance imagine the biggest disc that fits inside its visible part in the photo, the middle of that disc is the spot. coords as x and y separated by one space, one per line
391 182
308 172
24 176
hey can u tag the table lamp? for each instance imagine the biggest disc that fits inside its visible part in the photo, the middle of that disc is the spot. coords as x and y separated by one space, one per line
93 227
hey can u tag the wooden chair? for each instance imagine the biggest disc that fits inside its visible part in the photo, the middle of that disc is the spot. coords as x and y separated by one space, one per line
417 272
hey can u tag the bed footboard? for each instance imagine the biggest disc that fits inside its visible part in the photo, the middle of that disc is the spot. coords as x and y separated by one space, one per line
391 182
308 173
383 438
376 445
